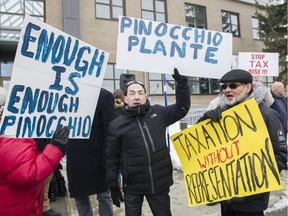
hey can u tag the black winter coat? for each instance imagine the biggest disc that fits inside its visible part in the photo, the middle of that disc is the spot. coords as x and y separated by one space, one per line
85 157
278 103
137 145
259 202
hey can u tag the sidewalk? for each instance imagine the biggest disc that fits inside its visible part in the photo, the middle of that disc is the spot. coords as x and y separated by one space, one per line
277 205
60 205
67 207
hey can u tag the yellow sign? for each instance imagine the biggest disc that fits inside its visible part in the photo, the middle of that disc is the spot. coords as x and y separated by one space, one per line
230 158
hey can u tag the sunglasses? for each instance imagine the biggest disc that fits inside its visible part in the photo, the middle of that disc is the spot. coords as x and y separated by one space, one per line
231 86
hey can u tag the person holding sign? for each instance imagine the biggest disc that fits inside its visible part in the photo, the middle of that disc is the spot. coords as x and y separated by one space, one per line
86 161
137 147
237 87
23 171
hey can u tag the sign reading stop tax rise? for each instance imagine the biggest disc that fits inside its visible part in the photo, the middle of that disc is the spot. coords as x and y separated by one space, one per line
259 64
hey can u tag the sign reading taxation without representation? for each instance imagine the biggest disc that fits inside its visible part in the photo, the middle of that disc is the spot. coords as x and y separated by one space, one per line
56 79
159 47
230 158
259 64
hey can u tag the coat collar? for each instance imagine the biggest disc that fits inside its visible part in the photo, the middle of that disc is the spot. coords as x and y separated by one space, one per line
137 110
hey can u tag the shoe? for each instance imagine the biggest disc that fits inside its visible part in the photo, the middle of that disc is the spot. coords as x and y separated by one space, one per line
51 212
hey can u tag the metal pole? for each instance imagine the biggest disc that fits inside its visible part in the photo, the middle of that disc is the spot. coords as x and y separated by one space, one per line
166 104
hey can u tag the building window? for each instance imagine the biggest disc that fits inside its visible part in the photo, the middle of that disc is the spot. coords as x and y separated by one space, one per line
156 84
112 77
203 85
230 23
5 73
154 10
197 85
12 14
109 9
255 28
195 16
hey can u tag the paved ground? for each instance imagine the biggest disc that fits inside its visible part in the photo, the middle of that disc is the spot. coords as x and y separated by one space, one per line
277 206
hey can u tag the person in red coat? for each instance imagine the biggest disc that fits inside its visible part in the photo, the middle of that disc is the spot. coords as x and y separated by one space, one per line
23 171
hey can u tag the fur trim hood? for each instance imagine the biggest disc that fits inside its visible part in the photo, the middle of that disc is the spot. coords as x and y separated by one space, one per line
258 92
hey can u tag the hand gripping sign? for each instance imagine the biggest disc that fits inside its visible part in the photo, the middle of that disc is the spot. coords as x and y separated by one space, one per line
56 79
229 158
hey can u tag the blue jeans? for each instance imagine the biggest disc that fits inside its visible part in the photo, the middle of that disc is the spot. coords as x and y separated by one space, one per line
84 208
159 203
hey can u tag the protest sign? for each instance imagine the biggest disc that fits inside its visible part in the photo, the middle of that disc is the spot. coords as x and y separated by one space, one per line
56 79
230 158
235 62
259 64
159 47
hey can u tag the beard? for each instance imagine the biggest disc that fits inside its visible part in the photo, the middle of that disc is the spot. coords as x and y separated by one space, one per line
236 100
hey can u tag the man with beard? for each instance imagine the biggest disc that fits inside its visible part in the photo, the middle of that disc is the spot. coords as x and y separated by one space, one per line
236 88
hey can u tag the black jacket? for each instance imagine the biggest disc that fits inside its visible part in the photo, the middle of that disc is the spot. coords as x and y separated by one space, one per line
280 105
259 202
85 157
137 145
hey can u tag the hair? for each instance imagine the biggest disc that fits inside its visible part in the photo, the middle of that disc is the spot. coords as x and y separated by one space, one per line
133 82
258 78
118 94
276 85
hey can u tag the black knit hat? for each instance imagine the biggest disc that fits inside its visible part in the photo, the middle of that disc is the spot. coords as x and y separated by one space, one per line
237 75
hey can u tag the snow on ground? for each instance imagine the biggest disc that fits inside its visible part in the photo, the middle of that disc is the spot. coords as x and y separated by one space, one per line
174 157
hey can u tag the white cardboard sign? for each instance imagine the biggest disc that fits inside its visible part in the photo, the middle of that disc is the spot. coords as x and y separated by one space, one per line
56 79
259 64
159 47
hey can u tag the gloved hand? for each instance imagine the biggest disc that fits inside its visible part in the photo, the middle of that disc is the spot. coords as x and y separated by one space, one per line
116 196
60 137
178 77
215 114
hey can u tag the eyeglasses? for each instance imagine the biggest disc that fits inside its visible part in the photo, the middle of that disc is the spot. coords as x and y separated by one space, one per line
231 86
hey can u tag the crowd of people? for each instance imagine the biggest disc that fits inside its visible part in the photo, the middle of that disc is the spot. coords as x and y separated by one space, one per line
126 158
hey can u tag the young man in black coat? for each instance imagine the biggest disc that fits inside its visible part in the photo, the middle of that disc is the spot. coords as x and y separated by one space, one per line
86 161
137 147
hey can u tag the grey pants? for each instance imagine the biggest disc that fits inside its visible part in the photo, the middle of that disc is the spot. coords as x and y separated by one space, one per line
84 207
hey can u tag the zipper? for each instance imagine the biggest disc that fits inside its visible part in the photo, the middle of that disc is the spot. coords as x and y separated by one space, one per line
149 136
148 156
